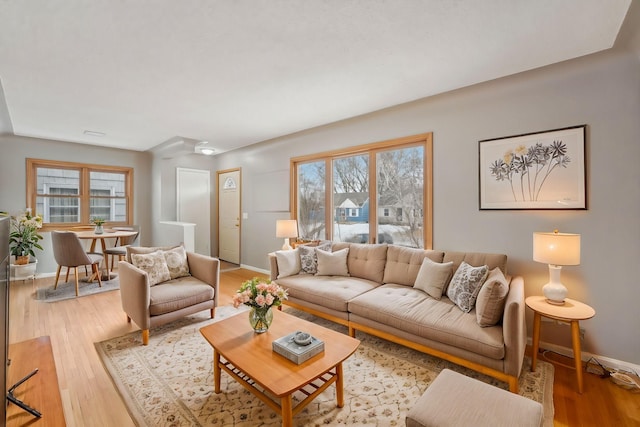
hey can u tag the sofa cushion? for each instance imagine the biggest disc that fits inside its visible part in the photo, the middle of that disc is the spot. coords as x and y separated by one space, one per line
328 291
154 265
332 263
309 258
176 259
433 276
491 298
367 261
465 285
404 263
413 311
179 293
288 262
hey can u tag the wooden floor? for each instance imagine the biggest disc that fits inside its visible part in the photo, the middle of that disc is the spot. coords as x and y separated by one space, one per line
90 399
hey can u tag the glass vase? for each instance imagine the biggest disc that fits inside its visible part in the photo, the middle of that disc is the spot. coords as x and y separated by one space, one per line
260 318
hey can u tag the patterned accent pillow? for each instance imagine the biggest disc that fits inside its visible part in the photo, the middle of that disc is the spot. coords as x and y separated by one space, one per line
155 266
465 285
176 259
309 257
491 299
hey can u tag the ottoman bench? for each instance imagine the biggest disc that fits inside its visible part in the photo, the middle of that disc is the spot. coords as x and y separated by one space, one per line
456 400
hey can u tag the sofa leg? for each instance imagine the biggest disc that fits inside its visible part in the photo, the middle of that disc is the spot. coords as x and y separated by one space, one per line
213 312
145 337
513 384
352 332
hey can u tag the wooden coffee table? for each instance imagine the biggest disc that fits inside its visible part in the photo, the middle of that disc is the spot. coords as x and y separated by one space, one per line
249 359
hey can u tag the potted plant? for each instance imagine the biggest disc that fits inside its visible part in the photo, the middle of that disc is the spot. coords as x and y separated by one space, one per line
24 236
98 222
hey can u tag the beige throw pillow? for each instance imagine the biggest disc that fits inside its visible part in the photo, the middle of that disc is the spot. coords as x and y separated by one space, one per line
433 277
176 259
288 263
465 285
154 264
491 299
332 263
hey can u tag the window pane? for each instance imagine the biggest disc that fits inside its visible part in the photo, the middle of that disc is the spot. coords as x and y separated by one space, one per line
311 193
57 181
112 183
351 199
107 200
59 209
400 175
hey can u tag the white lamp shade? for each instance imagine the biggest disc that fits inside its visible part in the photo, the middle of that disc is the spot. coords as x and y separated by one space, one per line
556 248
286 228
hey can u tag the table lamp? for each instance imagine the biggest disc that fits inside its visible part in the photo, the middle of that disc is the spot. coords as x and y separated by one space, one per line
556 249
286 228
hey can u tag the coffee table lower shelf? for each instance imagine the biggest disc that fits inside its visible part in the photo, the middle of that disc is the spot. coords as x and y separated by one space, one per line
285 408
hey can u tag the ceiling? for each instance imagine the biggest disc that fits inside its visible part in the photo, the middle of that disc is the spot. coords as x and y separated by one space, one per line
237 72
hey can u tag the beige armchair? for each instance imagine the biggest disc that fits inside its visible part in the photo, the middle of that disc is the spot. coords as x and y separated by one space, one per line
150 305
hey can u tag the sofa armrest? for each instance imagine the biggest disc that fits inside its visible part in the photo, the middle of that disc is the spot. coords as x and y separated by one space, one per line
135 293
205 269
514 327
273 266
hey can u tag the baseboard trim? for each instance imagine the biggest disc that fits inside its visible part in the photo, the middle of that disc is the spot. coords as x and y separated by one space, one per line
585 356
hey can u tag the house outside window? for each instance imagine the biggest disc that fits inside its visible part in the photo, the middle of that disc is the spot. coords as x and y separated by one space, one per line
69 194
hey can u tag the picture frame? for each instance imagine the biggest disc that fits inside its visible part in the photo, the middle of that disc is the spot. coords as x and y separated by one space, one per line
539 170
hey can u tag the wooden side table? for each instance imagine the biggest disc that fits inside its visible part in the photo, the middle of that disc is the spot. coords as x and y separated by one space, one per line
572 312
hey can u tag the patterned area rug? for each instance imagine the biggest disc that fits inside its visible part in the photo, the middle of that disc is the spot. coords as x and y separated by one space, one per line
67 290
170 381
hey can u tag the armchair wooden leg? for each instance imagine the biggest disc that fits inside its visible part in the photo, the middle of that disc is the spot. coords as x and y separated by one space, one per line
213 312
145 337
55 286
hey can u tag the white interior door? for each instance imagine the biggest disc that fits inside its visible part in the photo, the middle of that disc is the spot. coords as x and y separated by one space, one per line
229 191
194 204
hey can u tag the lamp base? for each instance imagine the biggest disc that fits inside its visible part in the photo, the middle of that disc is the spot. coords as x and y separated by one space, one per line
554 291
286 246
554 302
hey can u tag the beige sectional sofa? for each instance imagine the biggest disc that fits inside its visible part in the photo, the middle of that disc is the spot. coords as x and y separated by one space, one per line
376 295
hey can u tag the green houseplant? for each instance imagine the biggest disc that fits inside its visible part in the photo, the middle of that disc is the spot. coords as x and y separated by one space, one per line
24 237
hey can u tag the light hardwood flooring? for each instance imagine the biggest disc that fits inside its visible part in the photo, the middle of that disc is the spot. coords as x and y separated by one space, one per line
90 399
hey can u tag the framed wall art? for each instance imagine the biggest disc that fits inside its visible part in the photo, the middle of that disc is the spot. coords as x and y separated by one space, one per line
542 170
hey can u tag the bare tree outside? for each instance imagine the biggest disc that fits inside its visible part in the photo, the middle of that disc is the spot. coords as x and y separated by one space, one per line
311 192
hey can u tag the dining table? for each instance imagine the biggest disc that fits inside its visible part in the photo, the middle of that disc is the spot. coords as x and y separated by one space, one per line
108 233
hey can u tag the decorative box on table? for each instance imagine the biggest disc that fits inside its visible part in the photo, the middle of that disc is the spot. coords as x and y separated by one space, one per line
287 347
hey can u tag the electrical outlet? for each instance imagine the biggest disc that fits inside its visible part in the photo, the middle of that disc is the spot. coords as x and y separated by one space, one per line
582 334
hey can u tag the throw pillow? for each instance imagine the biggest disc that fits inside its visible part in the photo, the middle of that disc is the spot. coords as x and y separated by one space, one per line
309 258
433 276
332 263
288 262
154 264
491 299
465 285
176 259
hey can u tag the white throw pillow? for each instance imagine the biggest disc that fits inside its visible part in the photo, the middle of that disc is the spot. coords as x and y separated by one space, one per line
176 259
433 277
465 285
154 264
491 299
288 263
332 263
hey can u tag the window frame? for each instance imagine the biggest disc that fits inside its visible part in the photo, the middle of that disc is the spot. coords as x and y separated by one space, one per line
84 194
425 140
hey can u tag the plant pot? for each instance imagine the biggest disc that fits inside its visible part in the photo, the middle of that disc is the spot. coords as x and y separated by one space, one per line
22 259
260 319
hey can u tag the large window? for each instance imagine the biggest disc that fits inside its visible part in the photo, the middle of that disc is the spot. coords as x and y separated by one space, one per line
379 193
69 194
